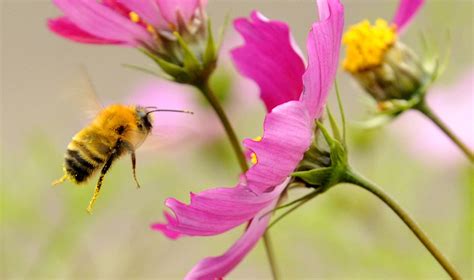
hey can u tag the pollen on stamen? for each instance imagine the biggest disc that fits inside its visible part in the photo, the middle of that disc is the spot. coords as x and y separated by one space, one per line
150 29
253 158
367 44
134 17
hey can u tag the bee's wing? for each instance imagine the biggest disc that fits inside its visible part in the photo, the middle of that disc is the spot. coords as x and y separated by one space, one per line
81 92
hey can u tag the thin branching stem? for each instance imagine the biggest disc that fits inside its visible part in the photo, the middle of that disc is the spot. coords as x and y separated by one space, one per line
358 180
214 102
423 108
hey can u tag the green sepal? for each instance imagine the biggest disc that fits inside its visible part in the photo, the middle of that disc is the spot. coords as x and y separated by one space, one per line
329 139
338 151
319 176
375 122
222 31
341 111
178 73
210 54
190 61
334 127
148 71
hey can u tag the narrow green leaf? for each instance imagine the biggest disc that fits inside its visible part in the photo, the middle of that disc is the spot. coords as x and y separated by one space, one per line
341 111
300 202
210 52
190 60
333 123
148 71
222 31
177 72
316 177
325 133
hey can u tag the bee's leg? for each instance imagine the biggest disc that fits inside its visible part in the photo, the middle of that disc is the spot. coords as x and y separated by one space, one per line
134 163
59 181
130 149
104 170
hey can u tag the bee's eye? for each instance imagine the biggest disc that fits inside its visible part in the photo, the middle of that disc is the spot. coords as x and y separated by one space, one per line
120 129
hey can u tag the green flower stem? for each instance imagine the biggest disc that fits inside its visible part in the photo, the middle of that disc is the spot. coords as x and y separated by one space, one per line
354 178
423 108
212 99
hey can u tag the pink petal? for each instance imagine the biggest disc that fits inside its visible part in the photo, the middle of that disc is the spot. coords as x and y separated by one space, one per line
269 58
163 227
287 135
187 8
63 27
117 7
216 210
220 266
323 44
148 10
405 13
103 22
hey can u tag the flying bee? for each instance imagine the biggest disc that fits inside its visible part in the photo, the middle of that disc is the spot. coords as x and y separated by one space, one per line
117 130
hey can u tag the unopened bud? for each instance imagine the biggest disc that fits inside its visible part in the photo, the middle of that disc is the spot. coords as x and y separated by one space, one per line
383 66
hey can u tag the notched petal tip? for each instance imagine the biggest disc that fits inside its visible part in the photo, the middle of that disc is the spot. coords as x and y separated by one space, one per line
323 45
279 68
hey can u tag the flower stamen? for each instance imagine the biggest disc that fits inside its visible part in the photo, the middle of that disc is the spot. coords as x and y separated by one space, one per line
253 158
134 17
367 44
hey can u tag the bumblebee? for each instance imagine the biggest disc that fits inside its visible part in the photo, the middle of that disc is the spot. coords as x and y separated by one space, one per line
117 130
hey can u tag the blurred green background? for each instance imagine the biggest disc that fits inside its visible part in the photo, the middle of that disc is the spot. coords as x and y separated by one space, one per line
344 234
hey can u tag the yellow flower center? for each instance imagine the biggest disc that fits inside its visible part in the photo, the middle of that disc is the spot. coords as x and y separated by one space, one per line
366 44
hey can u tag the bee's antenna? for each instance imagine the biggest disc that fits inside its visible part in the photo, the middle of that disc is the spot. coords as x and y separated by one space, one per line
150 107
168 110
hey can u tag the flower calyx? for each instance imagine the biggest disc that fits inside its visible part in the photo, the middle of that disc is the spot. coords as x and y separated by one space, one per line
324 169
385 68
187 55
405 93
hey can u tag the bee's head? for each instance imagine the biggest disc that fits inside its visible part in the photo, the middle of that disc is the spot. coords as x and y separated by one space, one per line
145 119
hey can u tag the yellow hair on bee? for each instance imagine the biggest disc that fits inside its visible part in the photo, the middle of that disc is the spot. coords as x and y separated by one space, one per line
116 130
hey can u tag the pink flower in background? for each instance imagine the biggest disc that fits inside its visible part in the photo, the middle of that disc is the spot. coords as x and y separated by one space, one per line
121 22
287 134
174 128
454 104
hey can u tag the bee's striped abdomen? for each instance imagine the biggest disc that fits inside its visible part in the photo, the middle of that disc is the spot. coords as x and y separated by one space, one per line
81 161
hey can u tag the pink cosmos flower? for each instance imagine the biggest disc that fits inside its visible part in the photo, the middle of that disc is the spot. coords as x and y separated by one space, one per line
121 22
288 129
454 104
